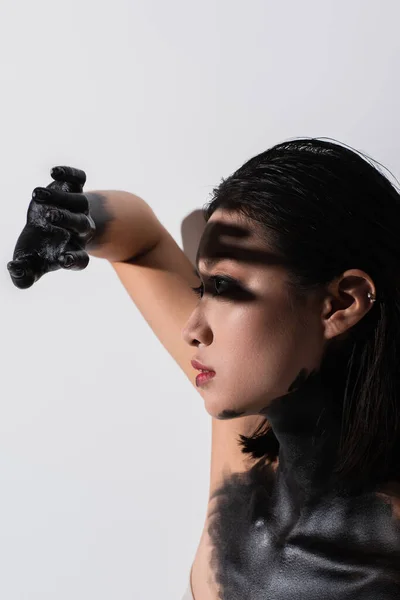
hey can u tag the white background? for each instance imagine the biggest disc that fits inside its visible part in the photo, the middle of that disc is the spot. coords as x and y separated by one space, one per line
104 444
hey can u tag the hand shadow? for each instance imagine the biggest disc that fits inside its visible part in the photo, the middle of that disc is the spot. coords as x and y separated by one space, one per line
192 228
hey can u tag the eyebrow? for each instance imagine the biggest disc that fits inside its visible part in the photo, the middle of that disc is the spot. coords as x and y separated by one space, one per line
211 262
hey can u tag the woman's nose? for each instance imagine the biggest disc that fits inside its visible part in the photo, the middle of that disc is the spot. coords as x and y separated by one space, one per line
188 335
196 332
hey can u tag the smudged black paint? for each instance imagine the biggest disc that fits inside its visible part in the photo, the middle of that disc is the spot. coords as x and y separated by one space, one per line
101 215
296 533
230 414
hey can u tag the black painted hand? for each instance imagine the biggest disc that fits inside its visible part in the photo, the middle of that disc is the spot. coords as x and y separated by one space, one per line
57 230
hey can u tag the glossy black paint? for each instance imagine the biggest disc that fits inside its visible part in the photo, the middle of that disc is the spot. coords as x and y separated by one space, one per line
297 532
58 228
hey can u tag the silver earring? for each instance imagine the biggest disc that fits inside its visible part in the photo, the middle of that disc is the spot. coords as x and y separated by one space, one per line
371 296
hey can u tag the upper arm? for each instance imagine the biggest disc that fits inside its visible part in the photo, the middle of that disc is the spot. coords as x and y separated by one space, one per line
159 283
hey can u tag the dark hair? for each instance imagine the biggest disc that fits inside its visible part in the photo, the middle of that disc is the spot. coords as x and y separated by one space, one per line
326 208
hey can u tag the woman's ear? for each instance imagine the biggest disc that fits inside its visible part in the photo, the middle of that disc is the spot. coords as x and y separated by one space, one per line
347 302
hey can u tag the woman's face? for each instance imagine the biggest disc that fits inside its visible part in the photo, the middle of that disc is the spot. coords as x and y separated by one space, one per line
250 331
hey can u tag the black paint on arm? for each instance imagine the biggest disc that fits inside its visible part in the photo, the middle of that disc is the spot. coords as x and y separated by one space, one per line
101 215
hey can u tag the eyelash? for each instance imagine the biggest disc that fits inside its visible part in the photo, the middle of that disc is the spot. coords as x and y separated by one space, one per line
198 290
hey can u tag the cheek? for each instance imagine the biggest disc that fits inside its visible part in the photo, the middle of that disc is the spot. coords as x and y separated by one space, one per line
255 333
260 354
269 352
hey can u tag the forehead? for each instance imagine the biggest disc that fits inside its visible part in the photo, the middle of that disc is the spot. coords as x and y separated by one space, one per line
230 236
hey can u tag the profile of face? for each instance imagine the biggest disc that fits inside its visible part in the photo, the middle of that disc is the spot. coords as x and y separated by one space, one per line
246 326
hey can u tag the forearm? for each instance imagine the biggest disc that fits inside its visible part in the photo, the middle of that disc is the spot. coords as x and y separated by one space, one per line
126 226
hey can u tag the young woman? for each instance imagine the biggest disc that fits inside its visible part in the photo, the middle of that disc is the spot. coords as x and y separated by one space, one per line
297 325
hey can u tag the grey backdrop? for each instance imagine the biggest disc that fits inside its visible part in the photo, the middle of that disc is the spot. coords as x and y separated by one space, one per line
104 444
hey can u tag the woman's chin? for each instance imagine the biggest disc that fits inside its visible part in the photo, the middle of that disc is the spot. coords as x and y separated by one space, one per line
225 410
221 410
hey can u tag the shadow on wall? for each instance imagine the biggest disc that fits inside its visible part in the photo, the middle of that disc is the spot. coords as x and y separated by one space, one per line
192 228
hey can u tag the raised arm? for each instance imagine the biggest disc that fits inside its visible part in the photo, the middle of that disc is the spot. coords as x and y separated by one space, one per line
126 226
156 273
63 225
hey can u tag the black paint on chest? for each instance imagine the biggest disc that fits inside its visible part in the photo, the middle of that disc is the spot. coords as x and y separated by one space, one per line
294 533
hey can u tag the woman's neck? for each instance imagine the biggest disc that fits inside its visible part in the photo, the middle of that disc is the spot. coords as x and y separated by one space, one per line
307 424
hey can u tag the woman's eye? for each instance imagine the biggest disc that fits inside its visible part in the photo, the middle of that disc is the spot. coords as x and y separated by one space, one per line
221 284
219 288
198 290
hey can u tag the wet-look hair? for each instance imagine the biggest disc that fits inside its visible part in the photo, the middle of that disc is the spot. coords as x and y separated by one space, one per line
325 208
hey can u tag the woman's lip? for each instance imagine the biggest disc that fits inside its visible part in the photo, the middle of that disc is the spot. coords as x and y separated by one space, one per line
199 367
204 377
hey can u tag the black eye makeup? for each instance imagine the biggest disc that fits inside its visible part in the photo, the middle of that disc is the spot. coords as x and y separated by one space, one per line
221 285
